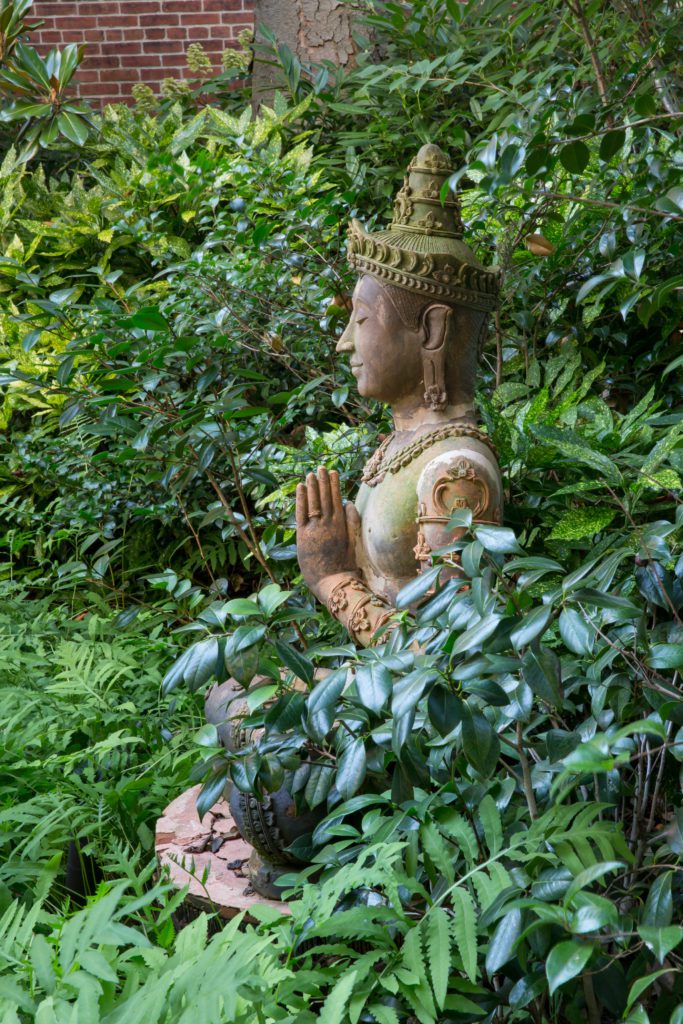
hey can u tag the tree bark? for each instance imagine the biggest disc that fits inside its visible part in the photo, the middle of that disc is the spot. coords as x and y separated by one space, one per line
314 30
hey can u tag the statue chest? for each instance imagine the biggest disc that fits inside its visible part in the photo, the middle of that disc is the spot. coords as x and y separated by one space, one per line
388 533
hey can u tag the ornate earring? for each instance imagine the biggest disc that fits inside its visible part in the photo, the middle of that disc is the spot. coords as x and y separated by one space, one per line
434 364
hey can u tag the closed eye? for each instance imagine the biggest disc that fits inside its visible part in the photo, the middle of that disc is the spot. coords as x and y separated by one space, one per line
360 320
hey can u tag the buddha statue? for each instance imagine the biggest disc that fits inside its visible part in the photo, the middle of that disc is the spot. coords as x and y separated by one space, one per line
419 313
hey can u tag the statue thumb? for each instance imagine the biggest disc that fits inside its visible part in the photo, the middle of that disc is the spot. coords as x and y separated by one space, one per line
352 521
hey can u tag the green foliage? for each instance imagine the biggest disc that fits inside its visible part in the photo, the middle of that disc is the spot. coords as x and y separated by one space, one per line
33 89
501 774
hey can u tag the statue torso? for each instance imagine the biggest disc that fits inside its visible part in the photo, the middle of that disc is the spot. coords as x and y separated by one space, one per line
435 474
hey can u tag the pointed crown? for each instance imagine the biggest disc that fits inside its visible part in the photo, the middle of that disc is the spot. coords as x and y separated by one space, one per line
422 250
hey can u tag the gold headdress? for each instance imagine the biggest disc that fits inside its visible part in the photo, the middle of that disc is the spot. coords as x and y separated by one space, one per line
422 250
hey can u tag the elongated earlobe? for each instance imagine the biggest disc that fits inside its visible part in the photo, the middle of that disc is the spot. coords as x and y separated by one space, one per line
437 321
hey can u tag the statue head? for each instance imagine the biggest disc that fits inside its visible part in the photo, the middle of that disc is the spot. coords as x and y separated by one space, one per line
422 301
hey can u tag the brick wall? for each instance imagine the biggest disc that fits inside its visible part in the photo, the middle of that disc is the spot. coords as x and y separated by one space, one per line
131 41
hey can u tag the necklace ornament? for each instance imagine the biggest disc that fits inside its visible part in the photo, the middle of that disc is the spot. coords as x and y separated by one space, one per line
379 465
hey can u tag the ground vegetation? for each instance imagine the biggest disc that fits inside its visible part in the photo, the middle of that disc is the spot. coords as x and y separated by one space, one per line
499 782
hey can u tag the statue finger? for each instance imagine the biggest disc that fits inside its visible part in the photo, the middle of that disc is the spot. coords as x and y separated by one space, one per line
313 496
335 491
325 493
301 505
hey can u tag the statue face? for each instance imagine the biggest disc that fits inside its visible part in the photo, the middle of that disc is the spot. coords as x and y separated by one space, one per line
385 355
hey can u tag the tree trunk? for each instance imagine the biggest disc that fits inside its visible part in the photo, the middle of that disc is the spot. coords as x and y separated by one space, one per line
314 30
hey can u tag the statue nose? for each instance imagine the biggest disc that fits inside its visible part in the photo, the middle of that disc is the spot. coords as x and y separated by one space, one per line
345 343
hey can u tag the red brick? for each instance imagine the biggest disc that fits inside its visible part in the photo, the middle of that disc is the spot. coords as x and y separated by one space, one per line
78 22
149 61
222 5
159 20
49 38
141 6
118 20
203 19
169 46
154 33
112 8
123 75
176 33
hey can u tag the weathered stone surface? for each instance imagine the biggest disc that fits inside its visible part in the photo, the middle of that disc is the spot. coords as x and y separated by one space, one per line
189 848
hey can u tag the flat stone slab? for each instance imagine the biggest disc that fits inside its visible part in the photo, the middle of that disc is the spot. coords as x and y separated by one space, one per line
210 856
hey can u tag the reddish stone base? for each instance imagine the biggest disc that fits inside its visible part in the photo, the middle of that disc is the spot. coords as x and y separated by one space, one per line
210 856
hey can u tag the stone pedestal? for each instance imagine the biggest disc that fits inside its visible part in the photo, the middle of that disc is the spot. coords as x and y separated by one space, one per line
190 848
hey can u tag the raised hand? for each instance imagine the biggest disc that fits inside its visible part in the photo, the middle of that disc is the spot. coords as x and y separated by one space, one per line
325 529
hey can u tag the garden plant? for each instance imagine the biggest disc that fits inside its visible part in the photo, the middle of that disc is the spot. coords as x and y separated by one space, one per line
498 780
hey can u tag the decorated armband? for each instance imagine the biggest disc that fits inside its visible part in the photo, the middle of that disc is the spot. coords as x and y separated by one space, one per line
355 605
464 478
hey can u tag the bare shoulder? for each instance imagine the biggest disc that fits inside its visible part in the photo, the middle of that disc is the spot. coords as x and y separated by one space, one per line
463 475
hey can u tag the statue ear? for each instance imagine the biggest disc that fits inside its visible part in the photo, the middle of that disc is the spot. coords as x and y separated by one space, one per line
436 324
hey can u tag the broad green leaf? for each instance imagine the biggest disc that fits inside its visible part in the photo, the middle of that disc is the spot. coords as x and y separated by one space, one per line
576 632
295 661
658 909
75 128
373 683
532 626
589 875
565 961
541 670
480 743
417 588
149 319
499 539
666 656
661 940
639 986
611 144
351 768
575 156
477 634
503 941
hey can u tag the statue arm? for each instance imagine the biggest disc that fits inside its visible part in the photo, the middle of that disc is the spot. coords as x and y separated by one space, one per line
361 611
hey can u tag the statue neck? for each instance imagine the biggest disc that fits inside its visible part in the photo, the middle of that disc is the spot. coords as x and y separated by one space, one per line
412 416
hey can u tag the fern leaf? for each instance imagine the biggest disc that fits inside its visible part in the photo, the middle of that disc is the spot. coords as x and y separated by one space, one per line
489 815
334 1007
438 952
461 832
384 1014
464 929
438 852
